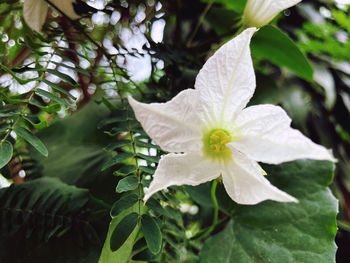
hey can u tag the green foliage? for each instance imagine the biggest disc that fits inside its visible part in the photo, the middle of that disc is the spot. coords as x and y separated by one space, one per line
6 151
123 203
127 184
276 232
272 44
152 233
123 230
47 211
87 160
32 139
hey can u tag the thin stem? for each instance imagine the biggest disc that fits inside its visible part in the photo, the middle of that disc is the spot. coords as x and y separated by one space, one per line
216 210
200 21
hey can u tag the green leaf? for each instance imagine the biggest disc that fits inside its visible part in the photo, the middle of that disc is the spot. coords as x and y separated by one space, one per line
283 232
126 170
6 151
123 230
148 158
127 184
154 205
52 108
276 46
120 118
236 5
123 253
146 145
32 139
148 170
152 233
43 214
77 69
62 76
112 146
13 74
116 159
52 97
123 203
58 88
9 112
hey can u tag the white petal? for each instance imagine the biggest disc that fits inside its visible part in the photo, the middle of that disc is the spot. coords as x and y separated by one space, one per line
260 12
173 125
66 6
245 183
264 134
227 80
179 169
34 13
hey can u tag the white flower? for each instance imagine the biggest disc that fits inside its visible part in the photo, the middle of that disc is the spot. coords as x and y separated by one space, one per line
209 133
35 11
258 13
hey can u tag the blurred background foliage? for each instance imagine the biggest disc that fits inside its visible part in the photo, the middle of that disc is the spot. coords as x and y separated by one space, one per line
65 88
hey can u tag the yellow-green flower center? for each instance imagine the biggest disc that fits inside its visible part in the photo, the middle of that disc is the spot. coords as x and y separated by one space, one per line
215 144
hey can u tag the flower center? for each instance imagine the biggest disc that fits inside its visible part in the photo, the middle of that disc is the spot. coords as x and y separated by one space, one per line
218 140
215 144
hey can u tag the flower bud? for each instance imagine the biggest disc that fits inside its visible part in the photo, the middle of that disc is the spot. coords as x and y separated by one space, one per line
258 13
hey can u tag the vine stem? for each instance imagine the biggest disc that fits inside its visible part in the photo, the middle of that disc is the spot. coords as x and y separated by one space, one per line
216 210
200 21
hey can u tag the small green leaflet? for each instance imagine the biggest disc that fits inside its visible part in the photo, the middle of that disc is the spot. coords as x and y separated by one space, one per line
276 46
152 233
116 159
52 97
123 203
123 230
127 184
58 88
62 76
126 170
6 151
32 139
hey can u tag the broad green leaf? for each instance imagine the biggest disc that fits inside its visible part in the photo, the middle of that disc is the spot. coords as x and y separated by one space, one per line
152 233
62 76
283 232
76 157
127 184
32 139
53 97
123 203
123 230
6 151
116 159
236 5
276 46
58 88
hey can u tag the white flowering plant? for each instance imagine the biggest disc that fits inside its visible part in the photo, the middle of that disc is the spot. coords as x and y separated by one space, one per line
173 131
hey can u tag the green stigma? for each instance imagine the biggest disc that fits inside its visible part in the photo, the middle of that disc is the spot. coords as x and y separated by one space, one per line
215 144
